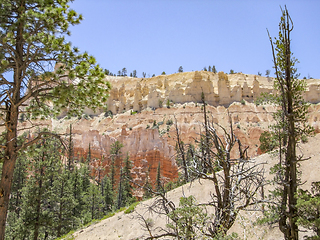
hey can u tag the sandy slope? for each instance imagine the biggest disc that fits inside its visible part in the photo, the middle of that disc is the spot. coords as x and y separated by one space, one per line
128 226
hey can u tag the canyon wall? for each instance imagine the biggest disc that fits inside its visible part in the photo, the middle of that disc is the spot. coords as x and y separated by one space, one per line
220 89
140 112
149 138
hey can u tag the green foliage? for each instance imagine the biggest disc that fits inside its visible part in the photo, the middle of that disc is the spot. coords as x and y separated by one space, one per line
41 70
168 103
159 186
267 142
116 148
169 122
147 187
131 208
214 70
173 184
180 70
308 205
93 201
42 29
160 103
155 125
188 220
125 189
267 72
42 199
108 194
108 114
291 126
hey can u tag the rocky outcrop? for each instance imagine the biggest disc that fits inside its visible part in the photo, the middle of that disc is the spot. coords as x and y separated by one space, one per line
143 109
148 145
220 89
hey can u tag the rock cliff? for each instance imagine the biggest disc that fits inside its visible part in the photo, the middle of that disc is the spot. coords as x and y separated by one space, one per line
140 112
220 89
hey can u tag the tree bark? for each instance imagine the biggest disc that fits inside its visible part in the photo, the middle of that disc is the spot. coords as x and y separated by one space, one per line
9 161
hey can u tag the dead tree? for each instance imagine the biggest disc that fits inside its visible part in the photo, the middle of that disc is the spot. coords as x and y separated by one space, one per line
236 182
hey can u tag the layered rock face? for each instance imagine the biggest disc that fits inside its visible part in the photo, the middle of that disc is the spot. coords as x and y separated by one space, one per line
143 110
220 89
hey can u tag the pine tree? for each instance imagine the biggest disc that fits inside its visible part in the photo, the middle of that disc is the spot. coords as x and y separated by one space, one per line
14 221
147 187
36 205
108 194
115 154
63 203
214 70
120 202
159 187
32 40
93 203
127 180
77 189
70 151
308 205
291 125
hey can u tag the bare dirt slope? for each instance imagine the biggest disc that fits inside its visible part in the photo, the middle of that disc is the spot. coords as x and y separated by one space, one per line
128 226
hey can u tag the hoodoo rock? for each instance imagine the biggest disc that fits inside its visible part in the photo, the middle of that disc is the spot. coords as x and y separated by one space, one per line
140 113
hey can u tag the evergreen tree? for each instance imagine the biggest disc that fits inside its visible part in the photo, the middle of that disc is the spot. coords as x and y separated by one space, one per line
147 187
127 180
113 173
89 157
291 126
36 205
108 194
77 189
124 72
308 205
14 221
93 204
115 153
70 151
180 70
32 41
214 70
120 202
63 203
159 187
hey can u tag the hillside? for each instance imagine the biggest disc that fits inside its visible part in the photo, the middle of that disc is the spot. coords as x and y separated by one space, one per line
135 118
128 226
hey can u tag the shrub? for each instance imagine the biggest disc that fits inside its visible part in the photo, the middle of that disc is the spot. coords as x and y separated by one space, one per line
169 122
131 208
160 103
108 114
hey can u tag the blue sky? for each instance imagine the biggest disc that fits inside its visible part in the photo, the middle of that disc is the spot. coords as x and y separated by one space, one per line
160 35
